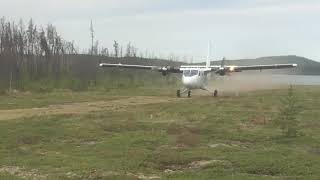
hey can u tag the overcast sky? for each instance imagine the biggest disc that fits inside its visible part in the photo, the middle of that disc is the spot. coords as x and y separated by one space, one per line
237 29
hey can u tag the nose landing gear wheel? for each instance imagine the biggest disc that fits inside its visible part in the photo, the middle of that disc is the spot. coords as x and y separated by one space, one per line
178 93
215 93
189 93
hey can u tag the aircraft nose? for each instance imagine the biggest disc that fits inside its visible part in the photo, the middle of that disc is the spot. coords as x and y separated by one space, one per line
187 82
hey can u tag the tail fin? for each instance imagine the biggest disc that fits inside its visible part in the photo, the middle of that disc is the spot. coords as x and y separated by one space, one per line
223 62
208 56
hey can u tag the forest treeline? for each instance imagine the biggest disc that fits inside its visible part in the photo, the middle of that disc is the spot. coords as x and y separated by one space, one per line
33 57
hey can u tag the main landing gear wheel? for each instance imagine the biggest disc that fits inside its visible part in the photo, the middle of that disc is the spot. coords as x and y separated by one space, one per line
189 93
215 93
178 93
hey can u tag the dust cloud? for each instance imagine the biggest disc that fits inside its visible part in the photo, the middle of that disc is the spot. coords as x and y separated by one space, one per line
244 82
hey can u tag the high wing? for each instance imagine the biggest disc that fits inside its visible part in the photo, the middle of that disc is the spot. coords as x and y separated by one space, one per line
260 67
128 66
229 69
240 68
163 69
224 69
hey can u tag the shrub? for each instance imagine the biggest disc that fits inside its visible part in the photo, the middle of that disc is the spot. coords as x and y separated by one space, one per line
287 118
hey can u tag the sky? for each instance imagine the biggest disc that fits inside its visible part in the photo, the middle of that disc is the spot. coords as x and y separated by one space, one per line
236 29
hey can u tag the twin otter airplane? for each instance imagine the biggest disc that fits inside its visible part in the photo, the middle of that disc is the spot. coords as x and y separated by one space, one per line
196 77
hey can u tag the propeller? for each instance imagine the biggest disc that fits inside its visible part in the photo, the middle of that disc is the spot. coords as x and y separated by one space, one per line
222 70
165 70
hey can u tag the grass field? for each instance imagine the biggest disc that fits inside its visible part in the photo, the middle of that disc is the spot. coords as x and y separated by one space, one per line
139 134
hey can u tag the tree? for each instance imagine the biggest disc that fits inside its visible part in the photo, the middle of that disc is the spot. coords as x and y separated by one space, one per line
287 119
96 48
121 51
68 48
2 25
31 37
116 49
105 52
51 36
128 52
58 45
134 51
92 36
22 38
45 50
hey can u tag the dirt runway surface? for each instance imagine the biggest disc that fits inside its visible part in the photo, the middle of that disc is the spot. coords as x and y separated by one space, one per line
84 107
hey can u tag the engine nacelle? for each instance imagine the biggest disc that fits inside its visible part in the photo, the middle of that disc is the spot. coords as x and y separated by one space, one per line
222 73
164 70
168 69
227 70
164 73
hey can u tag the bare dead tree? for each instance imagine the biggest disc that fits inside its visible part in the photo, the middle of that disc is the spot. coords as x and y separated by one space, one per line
128 52
51 38
44 44
105 52
92 36
29 52
31 37
116 49
121 51
22 38
96 48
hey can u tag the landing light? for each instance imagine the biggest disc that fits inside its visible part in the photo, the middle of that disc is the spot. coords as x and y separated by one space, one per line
232 68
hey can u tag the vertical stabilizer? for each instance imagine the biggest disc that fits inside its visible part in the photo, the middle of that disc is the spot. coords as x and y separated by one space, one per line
208 56
223 62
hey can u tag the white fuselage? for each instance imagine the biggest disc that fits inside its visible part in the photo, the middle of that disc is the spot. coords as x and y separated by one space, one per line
194 79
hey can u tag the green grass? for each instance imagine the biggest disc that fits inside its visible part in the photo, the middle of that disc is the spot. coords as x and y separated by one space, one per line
236 131
9 177
33 99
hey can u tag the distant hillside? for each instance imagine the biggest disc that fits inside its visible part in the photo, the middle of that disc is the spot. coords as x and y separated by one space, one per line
305 66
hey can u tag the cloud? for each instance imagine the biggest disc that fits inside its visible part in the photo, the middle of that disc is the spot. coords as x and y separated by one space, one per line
246 28
79 9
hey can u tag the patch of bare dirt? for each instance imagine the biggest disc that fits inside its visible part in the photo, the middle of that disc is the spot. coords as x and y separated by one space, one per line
84 107
221 145
232 144
204 163
96 175
196 165
145 177
22 172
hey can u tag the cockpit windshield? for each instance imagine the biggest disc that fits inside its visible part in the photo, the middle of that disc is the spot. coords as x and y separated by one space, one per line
189 73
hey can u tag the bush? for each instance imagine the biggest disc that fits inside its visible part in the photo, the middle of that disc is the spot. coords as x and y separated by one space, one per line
287 118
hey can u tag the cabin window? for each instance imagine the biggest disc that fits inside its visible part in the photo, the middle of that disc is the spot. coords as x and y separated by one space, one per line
186 72
194 72
189 73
